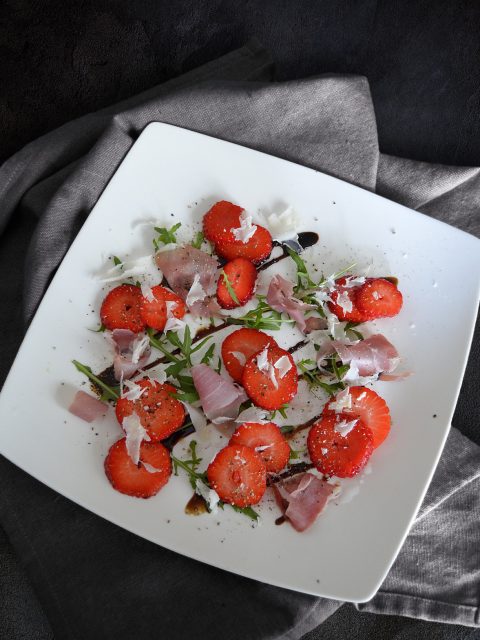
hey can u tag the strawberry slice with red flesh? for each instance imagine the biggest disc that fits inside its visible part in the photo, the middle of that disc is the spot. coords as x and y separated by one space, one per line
238 475
242 276
121 309
134 480
219 221
239 346
334 454
379 298
371 409
259 385
267 440
354 315
160 413
154 312
256 249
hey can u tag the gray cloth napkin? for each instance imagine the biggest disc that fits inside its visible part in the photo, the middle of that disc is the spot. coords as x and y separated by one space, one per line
94 579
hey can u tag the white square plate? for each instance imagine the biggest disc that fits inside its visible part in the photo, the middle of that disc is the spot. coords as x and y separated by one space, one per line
171 171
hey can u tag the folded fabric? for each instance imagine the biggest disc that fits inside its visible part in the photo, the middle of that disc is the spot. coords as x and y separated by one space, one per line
93 578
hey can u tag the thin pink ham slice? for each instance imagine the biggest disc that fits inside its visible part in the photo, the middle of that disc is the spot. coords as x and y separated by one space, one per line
370 357
125 343
181 265
280 297
220 398
87 407
302 498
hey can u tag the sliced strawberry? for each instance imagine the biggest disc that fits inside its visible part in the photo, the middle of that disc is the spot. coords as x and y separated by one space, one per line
154 312
242 276
259 383
219 221
121 309
355 315
239 346
265 439
133 480
379 298
372 411
238 475
160 413
334 454
257 249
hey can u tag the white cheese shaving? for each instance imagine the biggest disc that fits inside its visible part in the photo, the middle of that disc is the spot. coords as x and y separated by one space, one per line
197 292
345 426
342 401
283 225
324 451
173 323
197 417
264 365
240 357
263 447
353 377
283 366
344 302
354 281
135 391
135 435
246 230
142 266
167 247
150 468
252 414
139 346
147 291
375 295
210 496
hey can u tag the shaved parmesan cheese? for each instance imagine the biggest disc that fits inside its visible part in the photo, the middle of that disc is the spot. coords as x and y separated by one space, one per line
324 451
150 468
135 435
246 229
173 323
264 365
240 357
147 292
283 225
210 496
283 366
345 426
135 391
253 414
196 293
343 301
342 401
139 346
131 268
197 417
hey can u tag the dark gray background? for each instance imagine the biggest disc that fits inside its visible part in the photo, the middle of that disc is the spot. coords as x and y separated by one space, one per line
59 60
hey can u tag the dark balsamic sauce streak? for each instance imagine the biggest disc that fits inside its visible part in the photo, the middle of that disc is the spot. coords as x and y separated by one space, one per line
305 239
297 346
178 435
280 520
196 506
292 470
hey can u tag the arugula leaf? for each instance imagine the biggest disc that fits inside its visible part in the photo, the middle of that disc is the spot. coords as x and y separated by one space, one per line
282 411
261 317
198 240
303 278
230 290
108 393
208 355
100 329
247 511
116 260
350 326
166 236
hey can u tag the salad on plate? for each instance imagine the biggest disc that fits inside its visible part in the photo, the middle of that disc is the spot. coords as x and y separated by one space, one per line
235 342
